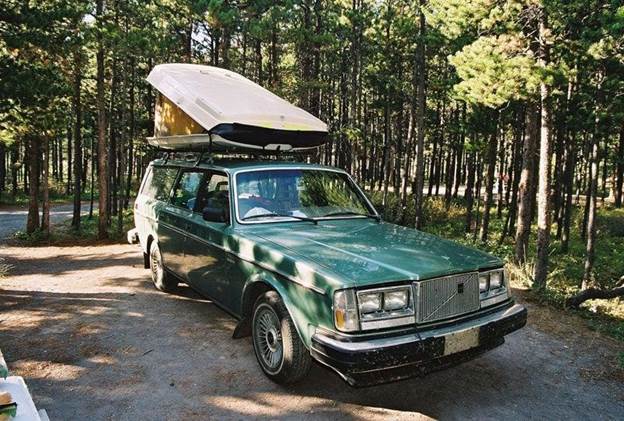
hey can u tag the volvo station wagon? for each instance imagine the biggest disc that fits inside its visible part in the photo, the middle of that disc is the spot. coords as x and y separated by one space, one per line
301 258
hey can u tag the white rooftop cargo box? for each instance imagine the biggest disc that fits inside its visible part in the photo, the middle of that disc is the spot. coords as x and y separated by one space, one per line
202 106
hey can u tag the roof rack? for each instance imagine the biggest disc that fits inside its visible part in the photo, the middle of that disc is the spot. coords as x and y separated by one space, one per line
198 157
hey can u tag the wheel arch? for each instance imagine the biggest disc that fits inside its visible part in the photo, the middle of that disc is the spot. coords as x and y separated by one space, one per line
259 284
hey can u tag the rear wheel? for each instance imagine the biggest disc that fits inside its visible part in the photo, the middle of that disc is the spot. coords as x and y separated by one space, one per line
161 279
279 350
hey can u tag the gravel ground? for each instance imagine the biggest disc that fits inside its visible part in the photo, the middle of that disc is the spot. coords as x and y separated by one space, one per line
94 340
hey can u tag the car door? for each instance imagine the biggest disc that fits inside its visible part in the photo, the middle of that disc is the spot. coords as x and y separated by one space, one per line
174 219
209 268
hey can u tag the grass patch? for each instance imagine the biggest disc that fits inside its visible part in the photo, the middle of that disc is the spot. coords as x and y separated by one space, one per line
64 234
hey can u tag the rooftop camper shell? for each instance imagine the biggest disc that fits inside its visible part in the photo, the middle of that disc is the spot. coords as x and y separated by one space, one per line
203 108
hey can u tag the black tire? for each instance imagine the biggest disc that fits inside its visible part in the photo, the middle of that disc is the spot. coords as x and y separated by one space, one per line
161 279
273 331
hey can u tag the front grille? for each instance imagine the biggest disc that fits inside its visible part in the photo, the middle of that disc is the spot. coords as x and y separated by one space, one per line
450 296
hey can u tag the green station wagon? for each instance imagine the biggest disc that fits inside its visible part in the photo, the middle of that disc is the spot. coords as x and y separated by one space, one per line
298 254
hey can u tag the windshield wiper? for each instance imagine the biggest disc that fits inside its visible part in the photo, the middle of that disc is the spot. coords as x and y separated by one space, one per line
283 215
345 213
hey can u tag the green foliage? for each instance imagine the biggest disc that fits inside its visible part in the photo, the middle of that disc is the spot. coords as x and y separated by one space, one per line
64 234
495 70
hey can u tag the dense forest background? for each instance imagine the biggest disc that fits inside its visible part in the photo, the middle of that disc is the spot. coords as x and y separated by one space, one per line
507 115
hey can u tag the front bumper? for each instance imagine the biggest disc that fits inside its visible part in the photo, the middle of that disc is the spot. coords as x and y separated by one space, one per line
133 236
380 360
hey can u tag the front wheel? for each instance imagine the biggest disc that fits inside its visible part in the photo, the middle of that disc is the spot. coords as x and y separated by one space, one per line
161 279
279 350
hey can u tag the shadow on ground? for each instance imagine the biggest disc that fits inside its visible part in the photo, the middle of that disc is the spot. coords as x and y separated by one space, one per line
95 340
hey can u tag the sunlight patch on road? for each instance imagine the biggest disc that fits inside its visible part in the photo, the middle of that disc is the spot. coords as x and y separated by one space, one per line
272 404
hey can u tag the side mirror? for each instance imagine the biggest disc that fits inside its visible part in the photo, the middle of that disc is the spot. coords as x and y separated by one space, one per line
211 214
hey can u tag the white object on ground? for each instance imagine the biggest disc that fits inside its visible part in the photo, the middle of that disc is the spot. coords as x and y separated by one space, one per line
26 410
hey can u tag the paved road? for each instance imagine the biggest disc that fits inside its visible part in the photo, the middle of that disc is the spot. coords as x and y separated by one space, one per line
94 340
13 220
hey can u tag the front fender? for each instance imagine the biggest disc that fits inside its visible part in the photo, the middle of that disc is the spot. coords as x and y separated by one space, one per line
307 308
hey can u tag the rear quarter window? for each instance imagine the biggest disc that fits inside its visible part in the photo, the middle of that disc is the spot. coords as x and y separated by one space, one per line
158 183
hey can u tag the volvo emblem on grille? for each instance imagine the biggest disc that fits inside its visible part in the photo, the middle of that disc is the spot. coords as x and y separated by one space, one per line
460 288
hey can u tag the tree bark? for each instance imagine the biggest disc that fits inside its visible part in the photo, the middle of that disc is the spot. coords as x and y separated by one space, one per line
591 218
544 198
594 293
2 166
515 167
619 177
45 183
101 117
468 193
32 221
77 138
14 168
489 186
526 189
69 160
569 185
420 119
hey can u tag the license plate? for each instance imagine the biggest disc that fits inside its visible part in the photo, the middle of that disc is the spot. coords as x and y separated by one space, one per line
461 341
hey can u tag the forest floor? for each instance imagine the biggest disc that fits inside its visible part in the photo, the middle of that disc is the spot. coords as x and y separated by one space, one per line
94 340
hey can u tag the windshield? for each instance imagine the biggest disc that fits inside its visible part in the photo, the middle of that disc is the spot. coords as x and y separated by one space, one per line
297 194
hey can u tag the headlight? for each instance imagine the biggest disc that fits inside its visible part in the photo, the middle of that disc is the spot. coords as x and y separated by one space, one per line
484 282
385 307
395 300
370 303
493 287
496 280
345 311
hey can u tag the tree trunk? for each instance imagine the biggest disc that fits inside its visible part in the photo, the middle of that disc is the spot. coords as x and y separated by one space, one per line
489 186
14 168
420 120
591 219
69 160
92 181
515 169
32 222
101 117
543 199
619 177
479 178
594 293
569 185
2 166
468 193
77 139
131 136
526 188
45 183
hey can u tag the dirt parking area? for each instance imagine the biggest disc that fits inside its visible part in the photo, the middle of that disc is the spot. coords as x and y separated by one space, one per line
94 340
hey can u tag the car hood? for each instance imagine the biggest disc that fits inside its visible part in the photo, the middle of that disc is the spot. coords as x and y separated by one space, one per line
364 252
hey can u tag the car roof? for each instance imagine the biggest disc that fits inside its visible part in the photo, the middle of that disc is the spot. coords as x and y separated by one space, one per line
235 165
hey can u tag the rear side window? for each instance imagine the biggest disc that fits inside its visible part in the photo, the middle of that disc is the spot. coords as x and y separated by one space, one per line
158 182
186 191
